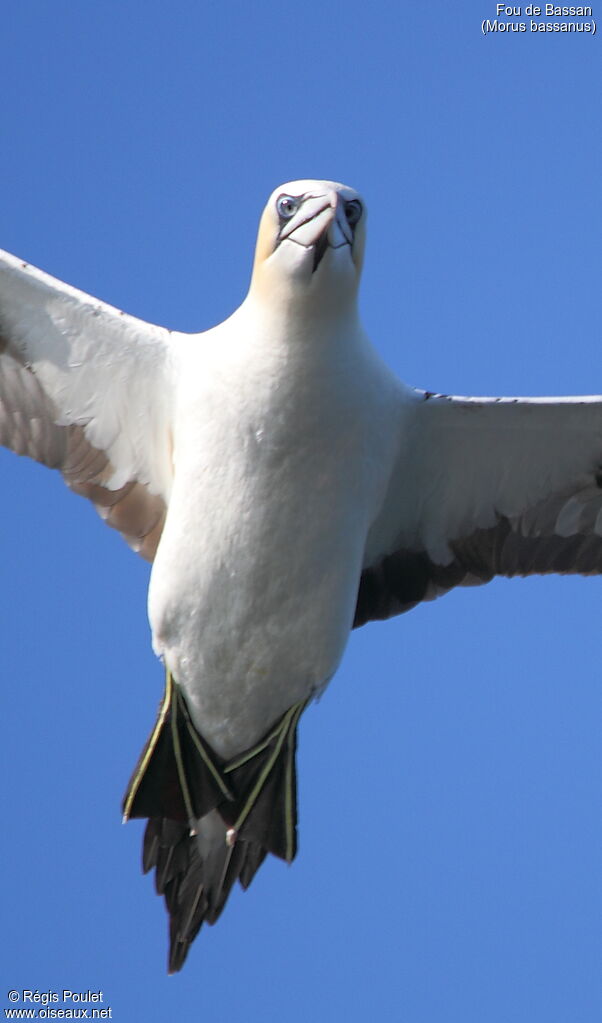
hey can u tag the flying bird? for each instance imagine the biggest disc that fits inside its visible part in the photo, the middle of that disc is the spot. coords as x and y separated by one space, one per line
286 487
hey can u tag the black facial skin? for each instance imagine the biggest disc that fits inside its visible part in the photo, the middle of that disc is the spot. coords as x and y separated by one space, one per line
288 205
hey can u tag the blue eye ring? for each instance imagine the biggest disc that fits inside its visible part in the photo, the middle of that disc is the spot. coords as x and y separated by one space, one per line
287 206
353 211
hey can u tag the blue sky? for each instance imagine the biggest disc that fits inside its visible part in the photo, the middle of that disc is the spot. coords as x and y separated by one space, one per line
450 778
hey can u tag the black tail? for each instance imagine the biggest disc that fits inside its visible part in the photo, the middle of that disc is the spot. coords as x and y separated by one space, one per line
211 822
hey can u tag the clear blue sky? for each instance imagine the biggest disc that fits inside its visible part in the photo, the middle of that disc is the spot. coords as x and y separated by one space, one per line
450 779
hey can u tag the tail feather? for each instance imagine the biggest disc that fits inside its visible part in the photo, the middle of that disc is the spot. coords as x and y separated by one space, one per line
210 823
195 873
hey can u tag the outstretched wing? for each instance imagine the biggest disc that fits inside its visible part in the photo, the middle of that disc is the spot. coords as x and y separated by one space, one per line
87 389
484 487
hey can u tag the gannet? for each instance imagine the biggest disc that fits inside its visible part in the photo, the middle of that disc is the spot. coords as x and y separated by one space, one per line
286 487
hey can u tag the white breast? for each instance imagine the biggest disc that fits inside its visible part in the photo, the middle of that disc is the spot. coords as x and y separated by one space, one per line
254 585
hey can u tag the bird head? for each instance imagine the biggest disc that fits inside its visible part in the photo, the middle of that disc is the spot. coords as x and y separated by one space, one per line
310 246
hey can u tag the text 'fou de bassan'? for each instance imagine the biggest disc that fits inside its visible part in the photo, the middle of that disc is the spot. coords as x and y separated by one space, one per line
548 10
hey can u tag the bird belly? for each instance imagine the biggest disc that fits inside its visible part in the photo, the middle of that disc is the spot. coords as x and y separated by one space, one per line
254 585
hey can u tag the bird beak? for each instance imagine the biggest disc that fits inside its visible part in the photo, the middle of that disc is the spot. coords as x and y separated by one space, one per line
314 216
319 224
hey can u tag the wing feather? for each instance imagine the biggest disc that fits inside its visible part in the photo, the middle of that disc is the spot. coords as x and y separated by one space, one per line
484 487
87 389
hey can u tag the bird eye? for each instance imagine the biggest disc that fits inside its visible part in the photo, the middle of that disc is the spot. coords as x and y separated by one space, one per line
287 206
353 211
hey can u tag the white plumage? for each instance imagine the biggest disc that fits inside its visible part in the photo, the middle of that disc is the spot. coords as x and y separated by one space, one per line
286 486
